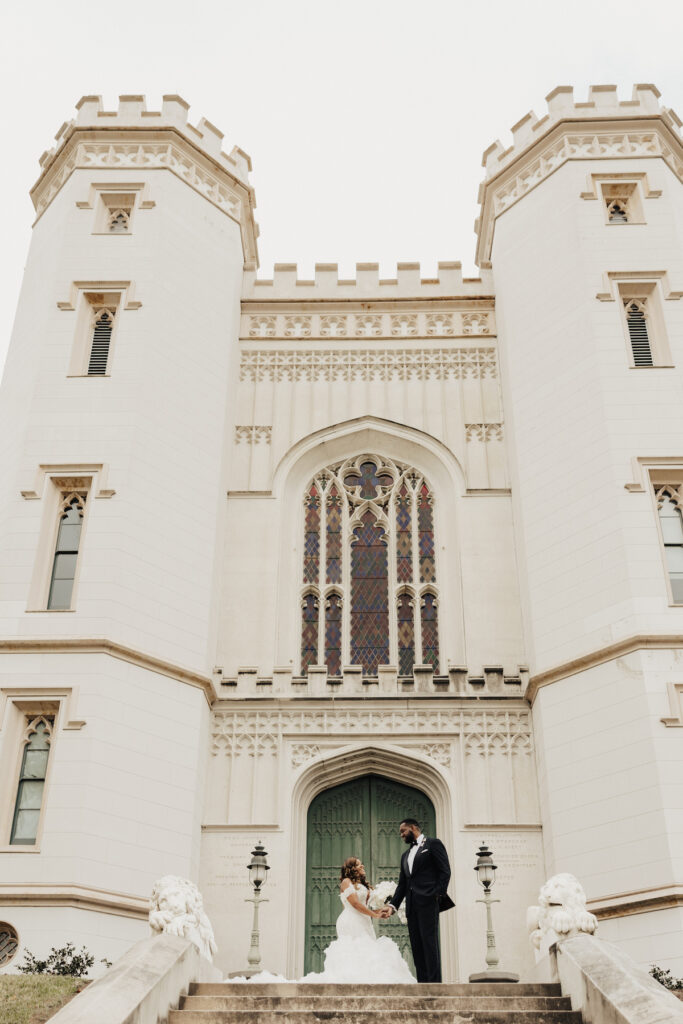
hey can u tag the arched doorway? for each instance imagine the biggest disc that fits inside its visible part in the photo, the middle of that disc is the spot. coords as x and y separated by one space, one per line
358 818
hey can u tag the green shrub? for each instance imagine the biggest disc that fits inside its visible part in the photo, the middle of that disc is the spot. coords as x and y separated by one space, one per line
665 978
65 961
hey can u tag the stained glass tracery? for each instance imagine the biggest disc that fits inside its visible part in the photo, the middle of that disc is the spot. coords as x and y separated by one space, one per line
368 548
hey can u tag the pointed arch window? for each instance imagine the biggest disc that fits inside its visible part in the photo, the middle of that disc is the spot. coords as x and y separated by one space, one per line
368 550
671 526
637 322
32 775
66 551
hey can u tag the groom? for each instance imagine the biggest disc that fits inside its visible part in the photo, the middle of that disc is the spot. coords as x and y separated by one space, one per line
423 880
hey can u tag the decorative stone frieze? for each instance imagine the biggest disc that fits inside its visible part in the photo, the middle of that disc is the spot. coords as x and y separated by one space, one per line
340 324
368 364
253 435
237 731
262 327
483 432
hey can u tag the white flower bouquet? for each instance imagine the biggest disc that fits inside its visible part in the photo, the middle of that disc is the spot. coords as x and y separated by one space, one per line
380 894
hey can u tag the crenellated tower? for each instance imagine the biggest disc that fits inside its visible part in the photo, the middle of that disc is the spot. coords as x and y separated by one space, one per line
582 221
114 407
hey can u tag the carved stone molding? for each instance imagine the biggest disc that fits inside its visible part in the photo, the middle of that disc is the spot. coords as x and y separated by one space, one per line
295 326
303 752
253 435
483 432
537 166
262 326
236 731
498 732
368 364
374 324
168 155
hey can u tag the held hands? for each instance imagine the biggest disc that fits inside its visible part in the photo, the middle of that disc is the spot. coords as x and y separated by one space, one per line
384 913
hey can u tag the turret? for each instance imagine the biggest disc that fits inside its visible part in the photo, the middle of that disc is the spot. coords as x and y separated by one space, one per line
582 220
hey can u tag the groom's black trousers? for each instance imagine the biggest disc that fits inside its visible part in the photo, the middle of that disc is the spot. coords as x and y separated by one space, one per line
423 929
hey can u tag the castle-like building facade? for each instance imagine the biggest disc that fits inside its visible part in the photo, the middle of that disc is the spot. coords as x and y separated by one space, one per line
288 560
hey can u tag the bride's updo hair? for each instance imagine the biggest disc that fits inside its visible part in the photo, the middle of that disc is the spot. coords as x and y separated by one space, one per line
351 869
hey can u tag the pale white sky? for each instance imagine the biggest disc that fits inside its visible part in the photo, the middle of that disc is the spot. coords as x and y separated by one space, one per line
365 121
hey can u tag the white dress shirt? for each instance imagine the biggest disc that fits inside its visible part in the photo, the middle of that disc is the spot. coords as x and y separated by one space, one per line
412 853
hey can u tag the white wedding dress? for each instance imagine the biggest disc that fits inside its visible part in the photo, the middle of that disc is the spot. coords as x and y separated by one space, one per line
356 956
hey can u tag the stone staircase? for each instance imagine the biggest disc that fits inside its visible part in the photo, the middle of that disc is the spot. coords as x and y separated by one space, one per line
226 1003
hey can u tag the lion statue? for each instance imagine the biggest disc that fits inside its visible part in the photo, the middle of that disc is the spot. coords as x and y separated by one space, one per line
177 909
562 909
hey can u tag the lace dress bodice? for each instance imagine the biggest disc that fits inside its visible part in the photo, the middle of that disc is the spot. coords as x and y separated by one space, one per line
351 922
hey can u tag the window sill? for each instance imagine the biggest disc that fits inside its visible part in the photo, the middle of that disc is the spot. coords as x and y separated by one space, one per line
88 376
657 366
49 611
113 234
17 848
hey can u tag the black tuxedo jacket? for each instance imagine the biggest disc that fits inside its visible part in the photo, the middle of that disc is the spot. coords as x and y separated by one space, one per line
428 881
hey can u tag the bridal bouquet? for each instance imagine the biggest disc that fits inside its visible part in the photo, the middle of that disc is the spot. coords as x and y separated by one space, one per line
380 894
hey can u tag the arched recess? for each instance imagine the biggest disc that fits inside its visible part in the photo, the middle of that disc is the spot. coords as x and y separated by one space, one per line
369 435
341 765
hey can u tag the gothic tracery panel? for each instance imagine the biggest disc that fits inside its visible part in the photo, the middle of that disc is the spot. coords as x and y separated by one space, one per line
369 588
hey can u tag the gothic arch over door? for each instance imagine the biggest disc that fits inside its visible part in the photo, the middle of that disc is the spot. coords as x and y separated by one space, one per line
358 818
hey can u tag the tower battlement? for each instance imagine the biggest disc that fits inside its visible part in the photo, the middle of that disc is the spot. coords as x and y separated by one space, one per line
602 104
367 284
133 114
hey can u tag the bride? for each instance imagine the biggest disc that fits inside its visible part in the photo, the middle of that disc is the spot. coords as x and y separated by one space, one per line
356 956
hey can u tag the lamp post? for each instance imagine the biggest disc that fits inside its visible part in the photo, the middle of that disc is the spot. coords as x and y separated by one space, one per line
486 874
258 873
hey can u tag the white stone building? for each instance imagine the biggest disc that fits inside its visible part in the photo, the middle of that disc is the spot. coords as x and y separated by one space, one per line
288 560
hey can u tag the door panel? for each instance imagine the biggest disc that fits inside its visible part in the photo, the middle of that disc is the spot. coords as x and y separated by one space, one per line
357 819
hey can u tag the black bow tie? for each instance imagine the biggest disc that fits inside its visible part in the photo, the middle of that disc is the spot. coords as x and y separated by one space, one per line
414 842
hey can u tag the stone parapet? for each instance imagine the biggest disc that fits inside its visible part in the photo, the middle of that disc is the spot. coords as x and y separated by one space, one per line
602 104
491 682
132 113
367 284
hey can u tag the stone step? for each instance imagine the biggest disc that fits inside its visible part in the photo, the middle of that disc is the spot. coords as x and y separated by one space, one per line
285 988
405 1016
245 1000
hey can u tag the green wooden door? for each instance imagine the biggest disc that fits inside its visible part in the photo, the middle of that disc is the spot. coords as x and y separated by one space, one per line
357 819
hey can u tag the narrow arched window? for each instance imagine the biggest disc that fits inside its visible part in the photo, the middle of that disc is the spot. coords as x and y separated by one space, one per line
671 525
66 551
369 596
309 631
368 545
32 776
406 634
430 629
333 633
638 331
103 325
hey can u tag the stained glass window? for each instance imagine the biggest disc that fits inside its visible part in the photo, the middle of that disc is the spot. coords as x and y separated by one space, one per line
430 630
309 631
333 550
312 536
369 596
406 634
369 587
333 634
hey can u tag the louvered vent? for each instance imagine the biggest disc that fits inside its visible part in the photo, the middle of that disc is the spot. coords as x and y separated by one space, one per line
99 353
636 317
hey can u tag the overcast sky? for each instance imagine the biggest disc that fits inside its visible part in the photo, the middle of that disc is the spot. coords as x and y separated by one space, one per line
365 121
